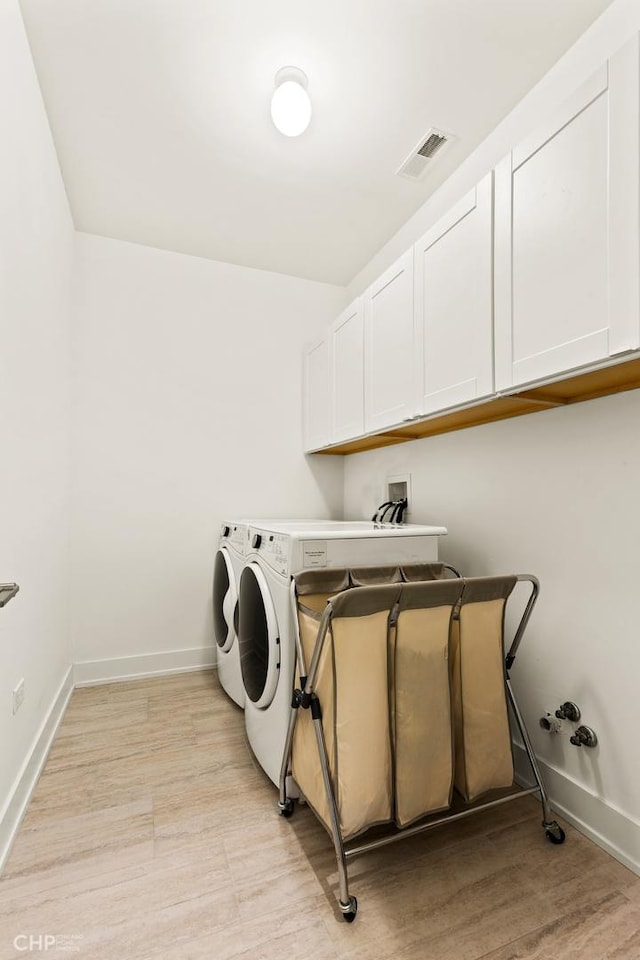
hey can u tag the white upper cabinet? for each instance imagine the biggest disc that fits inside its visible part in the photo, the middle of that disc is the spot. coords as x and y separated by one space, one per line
346 373
567 233
454 304
316 395
390 346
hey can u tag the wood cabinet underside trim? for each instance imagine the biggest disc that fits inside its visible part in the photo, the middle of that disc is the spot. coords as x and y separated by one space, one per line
585 386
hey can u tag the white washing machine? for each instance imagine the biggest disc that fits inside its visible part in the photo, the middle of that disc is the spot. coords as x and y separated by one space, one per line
227 569
266 630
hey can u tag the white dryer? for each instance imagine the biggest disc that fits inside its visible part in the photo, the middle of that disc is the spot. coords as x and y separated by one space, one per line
266 630
227 569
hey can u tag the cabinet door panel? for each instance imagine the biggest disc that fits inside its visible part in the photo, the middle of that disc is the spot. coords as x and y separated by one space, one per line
560 194
624 193
454 304
316 396
594 87
347 373
567 233
389 347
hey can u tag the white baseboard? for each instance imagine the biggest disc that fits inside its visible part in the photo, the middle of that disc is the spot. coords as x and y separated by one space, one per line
88 672
614 831
28 777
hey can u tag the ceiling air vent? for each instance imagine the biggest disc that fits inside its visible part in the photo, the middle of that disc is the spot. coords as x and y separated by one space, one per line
426 148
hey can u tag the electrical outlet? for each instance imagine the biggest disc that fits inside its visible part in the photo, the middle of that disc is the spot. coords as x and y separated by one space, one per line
18 696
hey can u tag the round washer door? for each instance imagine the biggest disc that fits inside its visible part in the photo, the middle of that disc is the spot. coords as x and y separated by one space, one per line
225 600
258 637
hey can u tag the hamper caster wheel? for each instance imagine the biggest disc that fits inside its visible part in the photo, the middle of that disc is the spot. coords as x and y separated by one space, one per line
285 809
554 833
349 913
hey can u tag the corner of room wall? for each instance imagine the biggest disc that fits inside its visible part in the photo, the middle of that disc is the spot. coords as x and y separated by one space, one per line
36 261
187 388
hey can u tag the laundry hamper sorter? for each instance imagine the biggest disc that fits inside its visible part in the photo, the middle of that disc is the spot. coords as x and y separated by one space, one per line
404 700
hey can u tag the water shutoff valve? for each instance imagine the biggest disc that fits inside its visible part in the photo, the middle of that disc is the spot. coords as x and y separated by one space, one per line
568 711
584 737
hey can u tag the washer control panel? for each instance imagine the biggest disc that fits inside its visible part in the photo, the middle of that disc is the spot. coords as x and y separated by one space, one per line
234 533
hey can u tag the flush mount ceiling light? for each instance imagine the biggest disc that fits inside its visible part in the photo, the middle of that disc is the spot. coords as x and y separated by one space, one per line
290 104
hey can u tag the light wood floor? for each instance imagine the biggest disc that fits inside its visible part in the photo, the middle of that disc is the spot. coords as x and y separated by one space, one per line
152 834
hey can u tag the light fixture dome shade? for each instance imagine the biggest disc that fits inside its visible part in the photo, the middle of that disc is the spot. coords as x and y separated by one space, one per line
290 104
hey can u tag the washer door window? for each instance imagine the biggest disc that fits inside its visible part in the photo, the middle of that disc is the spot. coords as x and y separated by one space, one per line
225 601
258 637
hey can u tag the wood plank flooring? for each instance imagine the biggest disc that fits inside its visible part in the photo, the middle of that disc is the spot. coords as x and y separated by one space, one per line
153 834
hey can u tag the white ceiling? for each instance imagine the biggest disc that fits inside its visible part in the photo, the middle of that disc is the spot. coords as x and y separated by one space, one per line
160 114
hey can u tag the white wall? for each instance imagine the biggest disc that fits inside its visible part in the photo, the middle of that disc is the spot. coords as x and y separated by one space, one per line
607 34
554 494
187 386
36 248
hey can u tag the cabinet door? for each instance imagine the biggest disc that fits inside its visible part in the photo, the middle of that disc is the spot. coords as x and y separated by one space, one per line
316 395
389 347
347 373
454 304
567 249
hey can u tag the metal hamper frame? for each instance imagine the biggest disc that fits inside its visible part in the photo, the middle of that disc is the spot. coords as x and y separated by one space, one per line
305 698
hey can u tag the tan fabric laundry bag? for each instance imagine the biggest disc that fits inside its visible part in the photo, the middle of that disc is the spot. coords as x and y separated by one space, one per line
423 571
314 589
363 780
421 700
352 686
483 757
